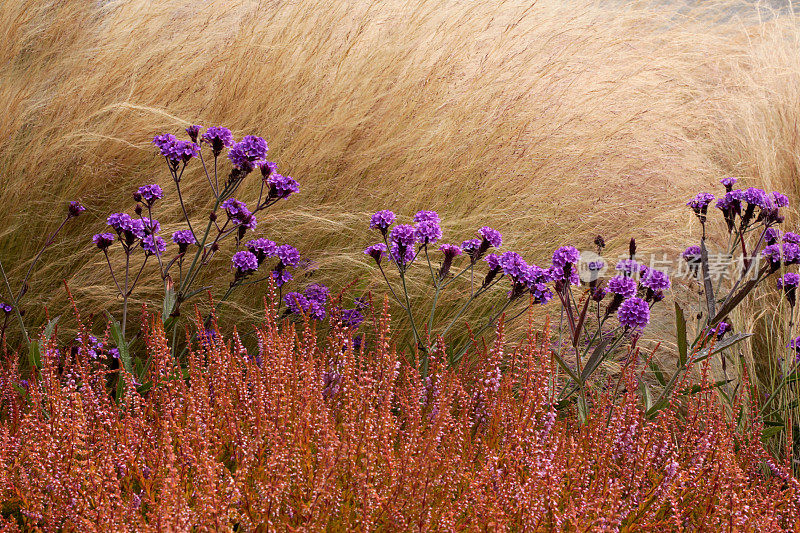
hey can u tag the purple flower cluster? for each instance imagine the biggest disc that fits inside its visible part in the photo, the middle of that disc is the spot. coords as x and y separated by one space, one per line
103 240
288 257
789 255
634 313
376 251
622 286
566 255
218 138
382 220
183 238
239 214
248 152
628 267
148 194
244 262
174 150
91 346
6 308
789 280
403 237
351 318
262 248
491 236
728 183
654 279
700 202
154 245
127 227
74 209
311 303
282 186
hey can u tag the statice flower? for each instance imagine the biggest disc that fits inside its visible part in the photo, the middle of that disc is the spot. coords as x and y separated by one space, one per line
183 238
281 277
403 255
471 247
403 234
151 225
771 236
536 280
267 168
756 197
297 303
193 132
382 220
317 293
728 183
154 245
493 260
125 225
428 231
262 248
628 267
282 186
731 206
239 214
566 255
513 265
634 313
779 200
450 251
245 262
427 216
700 204
491 236
563 274
791 237
655 280
794 344
351 318
288 255
788 280
218 138
174 150
75 209
148 194
6 308
622 286
248 152
103 240
790 254
376 251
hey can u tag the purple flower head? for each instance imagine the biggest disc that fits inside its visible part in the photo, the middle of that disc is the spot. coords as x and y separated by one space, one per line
125 225
513 265
700 202
790 254
103 240
75 209
403 235
471 247
771 235
317 293
193 132
262 248
622 286
721 329
248 152
382 220
174 150
149 194
450 250
163 141
153 245
183 238
238 213
288 255
7 308
490 236
779 200
427 216
692 254
267 168
566 255
536 280
756 197
628 267
403 255
493 260
218 138
297 303
376 251
559 274
730 205
282 186
151 225
791 237
634 313
351 318
245 262
281 277
728 183
794 344
428 231
655 280
789 280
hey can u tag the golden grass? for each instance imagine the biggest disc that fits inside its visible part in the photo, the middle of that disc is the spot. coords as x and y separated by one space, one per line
552 122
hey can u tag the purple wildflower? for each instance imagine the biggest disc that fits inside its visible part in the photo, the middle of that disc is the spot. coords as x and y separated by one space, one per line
193 132
788 280
780 200
566 255
403 235
450 251
288 255
794 344
628 267
771 236
471 247
728 183
262 248
403 255
622 286
491 236
248 152
634 312
218 138
756 197
151 225
238 213
297 303
75 209
267 168
376 251
655 280
148 194
124 224
428 231
536 280
6 308
351 318
721 329
382 220
153 245
103 240
427 216
281 277
174 150
791 237
183 238
317 293
282 186
245 262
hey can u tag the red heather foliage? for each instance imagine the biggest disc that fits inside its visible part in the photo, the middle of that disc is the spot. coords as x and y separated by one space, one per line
311 436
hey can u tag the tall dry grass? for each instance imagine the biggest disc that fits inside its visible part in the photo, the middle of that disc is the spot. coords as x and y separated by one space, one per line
551 121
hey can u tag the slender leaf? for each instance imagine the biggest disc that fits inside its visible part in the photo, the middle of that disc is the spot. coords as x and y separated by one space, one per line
658 373
709 287
680 325
732 302
566 368
770 432
595 359
720 346
645 392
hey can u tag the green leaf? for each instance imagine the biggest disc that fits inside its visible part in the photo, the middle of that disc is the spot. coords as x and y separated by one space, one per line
170 297
124 354
50 328
698 388
644 390
680 324
770 432
35 355
720 346
658 373
566 368
595 359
